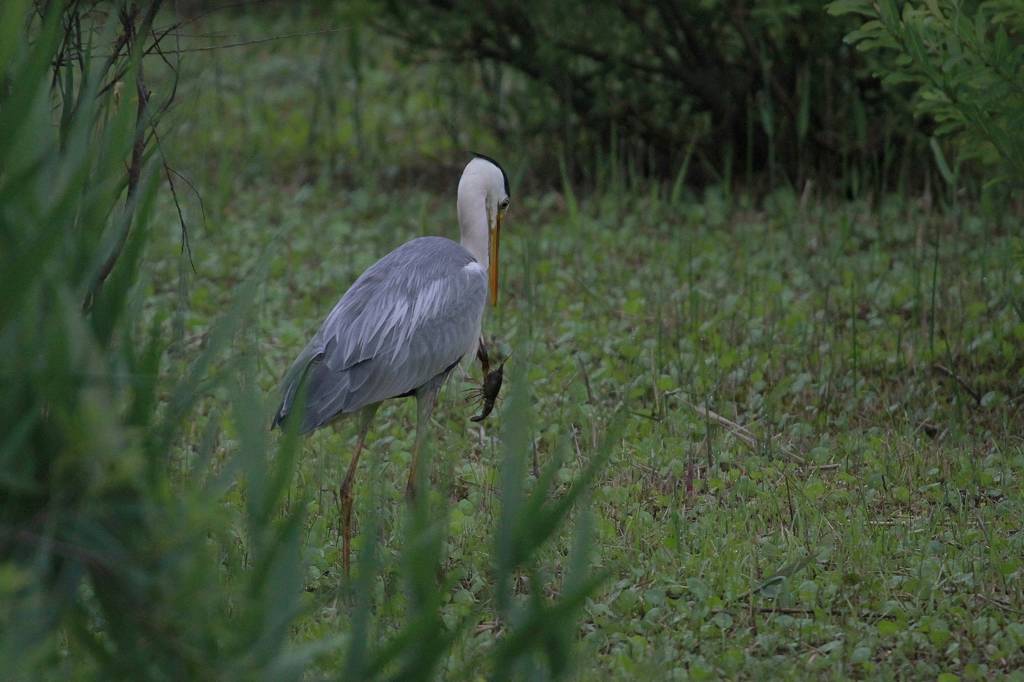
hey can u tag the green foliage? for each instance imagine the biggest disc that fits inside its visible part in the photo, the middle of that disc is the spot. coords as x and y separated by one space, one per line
810 328
755 88
965 63
131 547
868 529
817 471
432 631
110 568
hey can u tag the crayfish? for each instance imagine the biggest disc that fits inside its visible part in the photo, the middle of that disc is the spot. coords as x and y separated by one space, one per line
488 393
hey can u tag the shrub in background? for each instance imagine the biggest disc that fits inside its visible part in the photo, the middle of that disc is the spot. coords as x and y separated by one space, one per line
964 62
751 89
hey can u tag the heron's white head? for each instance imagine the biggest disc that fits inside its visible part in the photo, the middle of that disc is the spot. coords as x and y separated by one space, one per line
483 201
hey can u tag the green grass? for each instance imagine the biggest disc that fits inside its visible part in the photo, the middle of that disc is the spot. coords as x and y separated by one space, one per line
874 529
871 528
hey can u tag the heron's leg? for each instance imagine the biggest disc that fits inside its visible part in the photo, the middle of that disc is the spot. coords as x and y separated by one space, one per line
426 398
345 492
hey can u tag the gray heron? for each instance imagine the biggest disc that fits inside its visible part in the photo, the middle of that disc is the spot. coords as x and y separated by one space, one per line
402 327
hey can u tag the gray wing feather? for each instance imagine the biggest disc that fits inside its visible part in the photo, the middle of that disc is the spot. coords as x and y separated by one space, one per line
409 317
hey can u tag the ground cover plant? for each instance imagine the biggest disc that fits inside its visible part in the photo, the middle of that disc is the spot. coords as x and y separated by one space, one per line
771 435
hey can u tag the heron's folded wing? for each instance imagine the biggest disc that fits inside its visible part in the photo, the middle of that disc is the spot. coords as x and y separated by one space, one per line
409 317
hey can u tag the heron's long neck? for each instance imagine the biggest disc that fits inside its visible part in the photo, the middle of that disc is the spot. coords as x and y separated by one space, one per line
472 209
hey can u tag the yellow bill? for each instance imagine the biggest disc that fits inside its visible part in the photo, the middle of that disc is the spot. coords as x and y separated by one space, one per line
492 267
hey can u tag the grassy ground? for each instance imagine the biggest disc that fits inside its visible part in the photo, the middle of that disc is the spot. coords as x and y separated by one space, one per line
822 469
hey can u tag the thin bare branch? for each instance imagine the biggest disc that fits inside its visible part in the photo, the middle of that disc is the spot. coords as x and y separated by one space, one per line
132 31
254 41
942 369
740 432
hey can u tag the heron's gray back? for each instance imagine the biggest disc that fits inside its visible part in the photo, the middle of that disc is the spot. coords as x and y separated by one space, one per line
409 317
